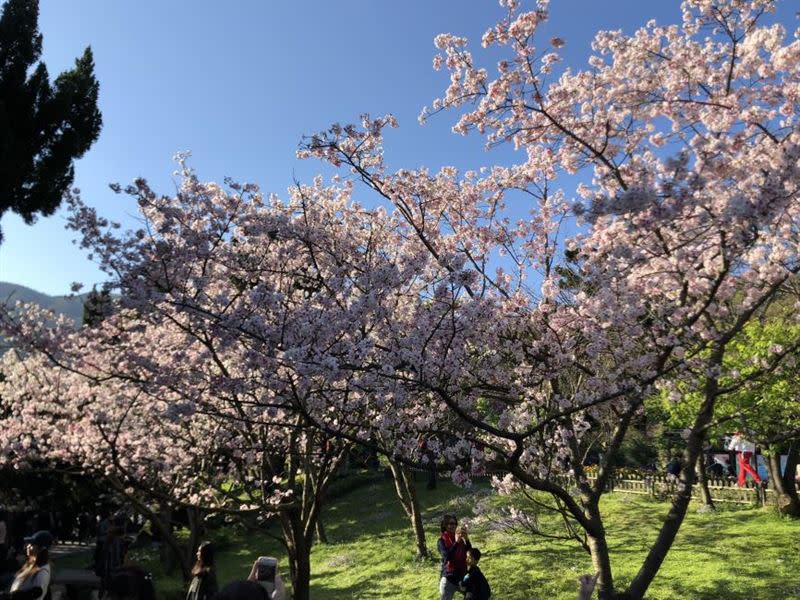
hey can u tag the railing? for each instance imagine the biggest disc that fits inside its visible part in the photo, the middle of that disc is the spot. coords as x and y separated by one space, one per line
721 489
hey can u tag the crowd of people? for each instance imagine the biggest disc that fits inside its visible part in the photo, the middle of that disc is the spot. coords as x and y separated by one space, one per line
460 571
263 583
32 581
28 574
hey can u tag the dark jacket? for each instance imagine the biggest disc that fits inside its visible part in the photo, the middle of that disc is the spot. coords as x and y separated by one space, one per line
203 586
674 467
475 586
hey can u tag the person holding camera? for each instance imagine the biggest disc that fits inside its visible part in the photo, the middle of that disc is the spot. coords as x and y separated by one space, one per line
265 573
453 545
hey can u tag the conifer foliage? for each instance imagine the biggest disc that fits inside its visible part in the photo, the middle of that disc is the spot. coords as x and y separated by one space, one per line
44 126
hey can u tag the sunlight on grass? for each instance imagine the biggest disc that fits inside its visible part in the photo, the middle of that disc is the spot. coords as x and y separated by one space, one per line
740 554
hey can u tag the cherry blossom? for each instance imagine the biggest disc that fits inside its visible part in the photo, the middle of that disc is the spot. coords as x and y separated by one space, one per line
249 327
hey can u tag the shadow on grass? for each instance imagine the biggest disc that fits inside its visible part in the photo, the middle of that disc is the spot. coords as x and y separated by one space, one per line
324 584
724 588
731 555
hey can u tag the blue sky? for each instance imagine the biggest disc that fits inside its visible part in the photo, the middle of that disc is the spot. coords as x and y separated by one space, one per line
239 83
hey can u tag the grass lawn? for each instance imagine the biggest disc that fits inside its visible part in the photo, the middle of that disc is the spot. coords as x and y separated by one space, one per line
744 554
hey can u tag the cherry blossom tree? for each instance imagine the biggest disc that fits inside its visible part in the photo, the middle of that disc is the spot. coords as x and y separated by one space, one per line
442 313
685 137
234 312
49 422
112 401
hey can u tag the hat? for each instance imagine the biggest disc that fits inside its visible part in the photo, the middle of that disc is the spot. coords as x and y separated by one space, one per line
43 539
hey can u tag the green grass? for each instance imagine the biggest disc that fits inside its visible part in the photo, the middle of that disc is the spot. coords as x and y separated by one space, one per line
736 554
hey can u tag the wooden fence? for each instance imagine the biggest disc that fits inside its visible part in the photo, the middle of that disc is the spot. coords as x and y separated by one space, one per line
721 489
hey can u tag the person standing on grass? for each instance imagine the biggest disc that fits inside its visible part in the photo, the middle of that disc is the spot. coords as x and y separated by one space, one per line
453 545
474 584
674 467
745 450
113 550
204 574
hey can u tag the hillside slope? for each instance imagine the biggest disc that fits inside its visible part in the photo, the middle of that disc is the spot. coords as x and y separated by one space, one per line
69 306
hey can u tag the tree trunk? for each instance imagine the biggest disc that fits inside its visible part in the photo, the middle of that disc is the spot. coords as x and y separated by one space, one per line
299 551
300 568
702 480
300 571
406 492
196 531
171 552
591 494
783 485
598 548
344 468
680 503
322 538
602 565
415 516
299 520
669 529
431 485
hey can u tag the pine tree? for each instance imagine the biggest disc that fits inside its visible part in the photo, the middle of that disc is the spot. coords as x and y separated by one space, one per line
96 307
43 126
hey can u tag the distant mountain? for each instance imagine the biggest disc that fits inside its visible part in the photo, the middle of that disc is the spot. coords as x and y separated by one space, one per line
70 306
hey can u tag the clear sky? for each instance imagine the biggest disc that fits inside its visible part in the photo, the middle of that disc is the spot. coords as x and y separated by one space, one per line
239 83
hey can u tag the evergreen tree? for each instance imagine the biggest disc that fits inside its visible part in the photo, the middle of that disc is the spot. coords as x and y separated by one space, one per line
43 126
96 307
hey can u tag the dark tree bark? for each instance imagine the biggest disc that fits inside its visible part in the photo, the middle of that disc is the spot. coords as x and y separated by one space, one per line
322 537
680 503
783 484
196 531
173 553
601 559
407 495
591 495
298 547
300 519
702 480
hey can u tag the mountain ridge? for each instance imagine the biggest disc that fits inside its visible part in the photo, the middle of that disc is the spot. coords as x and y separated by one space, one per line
70 306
